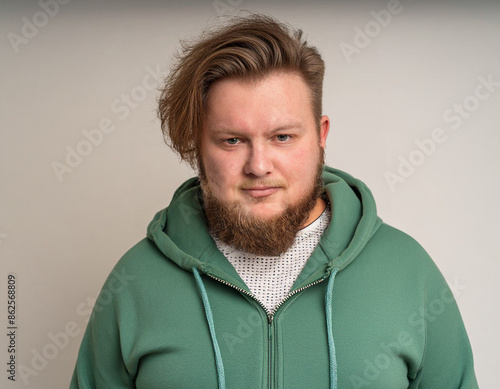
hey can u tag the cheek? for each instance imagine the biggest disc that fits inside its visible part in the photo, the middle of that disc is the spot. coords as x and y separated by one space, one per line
303 161
300 165
221 172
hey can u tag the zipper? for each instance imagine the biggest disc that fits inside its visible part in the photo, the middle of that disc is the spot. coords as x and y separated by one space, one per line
270 317
270 314
270 358
295 292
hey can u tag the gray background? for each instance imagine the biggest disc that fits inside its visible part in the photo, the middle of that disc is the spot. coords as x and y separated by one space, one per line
62 235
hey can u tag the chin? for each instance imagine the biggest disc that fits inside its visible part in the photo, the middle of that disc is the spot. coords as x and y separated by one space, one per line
266 212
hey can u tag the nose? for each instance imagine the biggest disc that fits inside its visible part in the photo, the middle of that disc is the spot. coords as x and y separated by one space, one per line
259 162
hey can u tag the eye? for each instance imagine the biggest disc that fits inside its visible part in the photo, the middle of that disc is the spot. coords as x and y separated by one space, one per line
283 137
232 141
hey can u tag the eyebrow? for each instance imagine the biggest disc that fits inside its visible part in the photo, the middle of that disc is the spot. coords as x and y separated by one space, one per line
286 127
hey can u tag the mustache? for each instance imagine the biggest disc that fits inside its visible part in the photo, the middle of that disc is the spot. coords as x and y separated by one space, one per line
249 184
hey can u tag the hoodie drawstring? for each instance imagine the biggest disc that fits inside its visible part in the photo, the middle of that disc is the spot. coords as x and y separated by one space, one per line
210 319
329 330
218 358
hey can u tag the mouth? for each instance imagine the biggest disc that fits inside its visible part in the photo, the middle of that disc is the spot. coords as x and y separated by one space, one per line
261 191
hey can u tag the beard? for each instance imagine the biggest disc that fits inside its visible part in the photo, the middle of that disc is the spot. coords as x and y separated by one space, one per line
272 236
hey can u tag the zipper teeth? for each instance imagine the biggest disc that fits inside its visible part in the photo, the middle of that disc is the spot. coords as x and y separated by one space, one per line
295 292
270 314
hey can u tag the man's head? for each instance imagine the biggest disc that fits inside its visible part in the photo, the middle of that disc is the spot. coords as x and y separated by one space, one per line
248 48
244 106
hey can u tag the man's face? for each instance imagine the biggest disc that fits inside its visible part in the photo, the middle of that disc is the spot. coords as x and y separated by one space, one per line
260 146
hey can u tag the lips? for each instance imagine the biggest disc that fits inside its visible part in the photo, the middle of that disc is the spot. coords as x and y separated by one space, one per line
261 191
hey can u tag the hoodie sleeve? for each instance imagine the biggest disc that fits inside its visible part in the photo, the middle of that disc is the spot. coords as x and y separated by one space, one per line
100 363
447 361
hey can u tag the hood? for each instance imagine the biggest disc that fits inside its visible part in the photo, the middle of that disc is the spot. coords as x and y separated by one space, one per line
180 233
354 218
180 230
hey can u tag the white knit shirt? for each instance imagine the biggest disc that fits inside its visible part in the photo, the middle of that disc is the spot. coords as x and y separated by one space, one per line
271 278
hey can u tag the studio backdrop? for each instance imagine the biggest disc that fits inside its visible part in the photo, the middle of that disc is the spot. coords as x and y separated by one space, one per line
412 89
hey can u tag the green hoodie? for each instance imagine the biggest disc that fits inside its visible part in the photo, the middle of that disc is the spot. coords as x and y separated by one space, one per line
369 310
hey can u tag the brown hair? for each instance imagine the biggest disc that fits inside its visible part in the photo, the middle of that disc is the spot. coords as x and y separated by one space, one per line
248 48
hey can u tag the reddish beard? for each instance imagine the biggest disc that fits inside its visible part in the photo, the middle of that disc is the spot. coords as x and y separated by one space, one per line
245 232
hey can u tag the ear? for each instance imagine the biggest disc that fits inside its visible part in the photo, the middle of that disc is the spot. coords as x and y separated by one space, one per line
324 128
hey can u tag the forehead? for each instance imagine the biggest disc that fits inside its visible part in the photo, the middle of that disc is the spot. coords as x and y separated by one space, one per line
275 100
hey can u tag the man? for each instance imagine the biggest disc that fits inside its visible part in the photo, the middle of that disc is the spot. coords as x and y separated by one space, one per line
269 269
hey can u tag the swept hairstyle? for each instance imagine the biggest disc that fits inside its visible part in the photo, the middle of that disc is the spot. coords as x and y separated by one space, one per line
248 48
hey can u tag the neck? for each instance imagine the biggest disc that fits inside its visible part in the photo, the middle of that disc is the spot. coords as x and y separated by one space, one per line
316 212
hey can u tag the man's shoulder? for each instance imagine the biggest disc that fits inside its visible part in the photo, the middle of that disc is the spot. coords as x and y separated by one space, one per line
144 248
394 244
397 259
144 259
387 233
